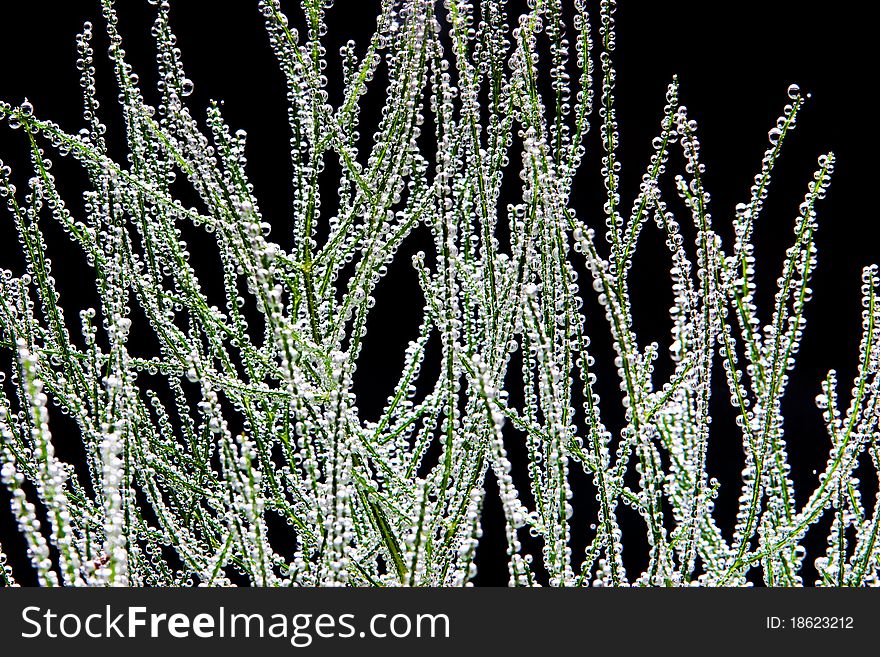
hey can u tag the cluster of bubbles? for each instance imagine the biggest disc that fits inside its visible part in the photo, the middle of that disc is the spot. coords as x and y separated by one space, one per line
245 415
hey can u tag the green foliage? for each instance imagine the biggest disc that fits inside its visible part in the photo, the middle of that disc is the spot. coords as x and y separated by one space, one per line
232 427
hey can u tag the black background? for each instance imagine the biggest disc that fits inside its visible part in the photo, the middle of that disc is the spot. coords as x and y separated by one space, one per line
735 62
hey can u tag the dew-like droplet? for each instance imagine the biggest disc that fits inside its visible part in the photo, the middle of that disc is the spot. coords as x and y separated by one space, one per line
794 91
186 87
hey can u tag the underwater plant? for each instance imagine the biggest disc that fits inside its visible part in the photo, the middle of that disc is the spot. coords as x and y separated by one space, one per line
212 385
